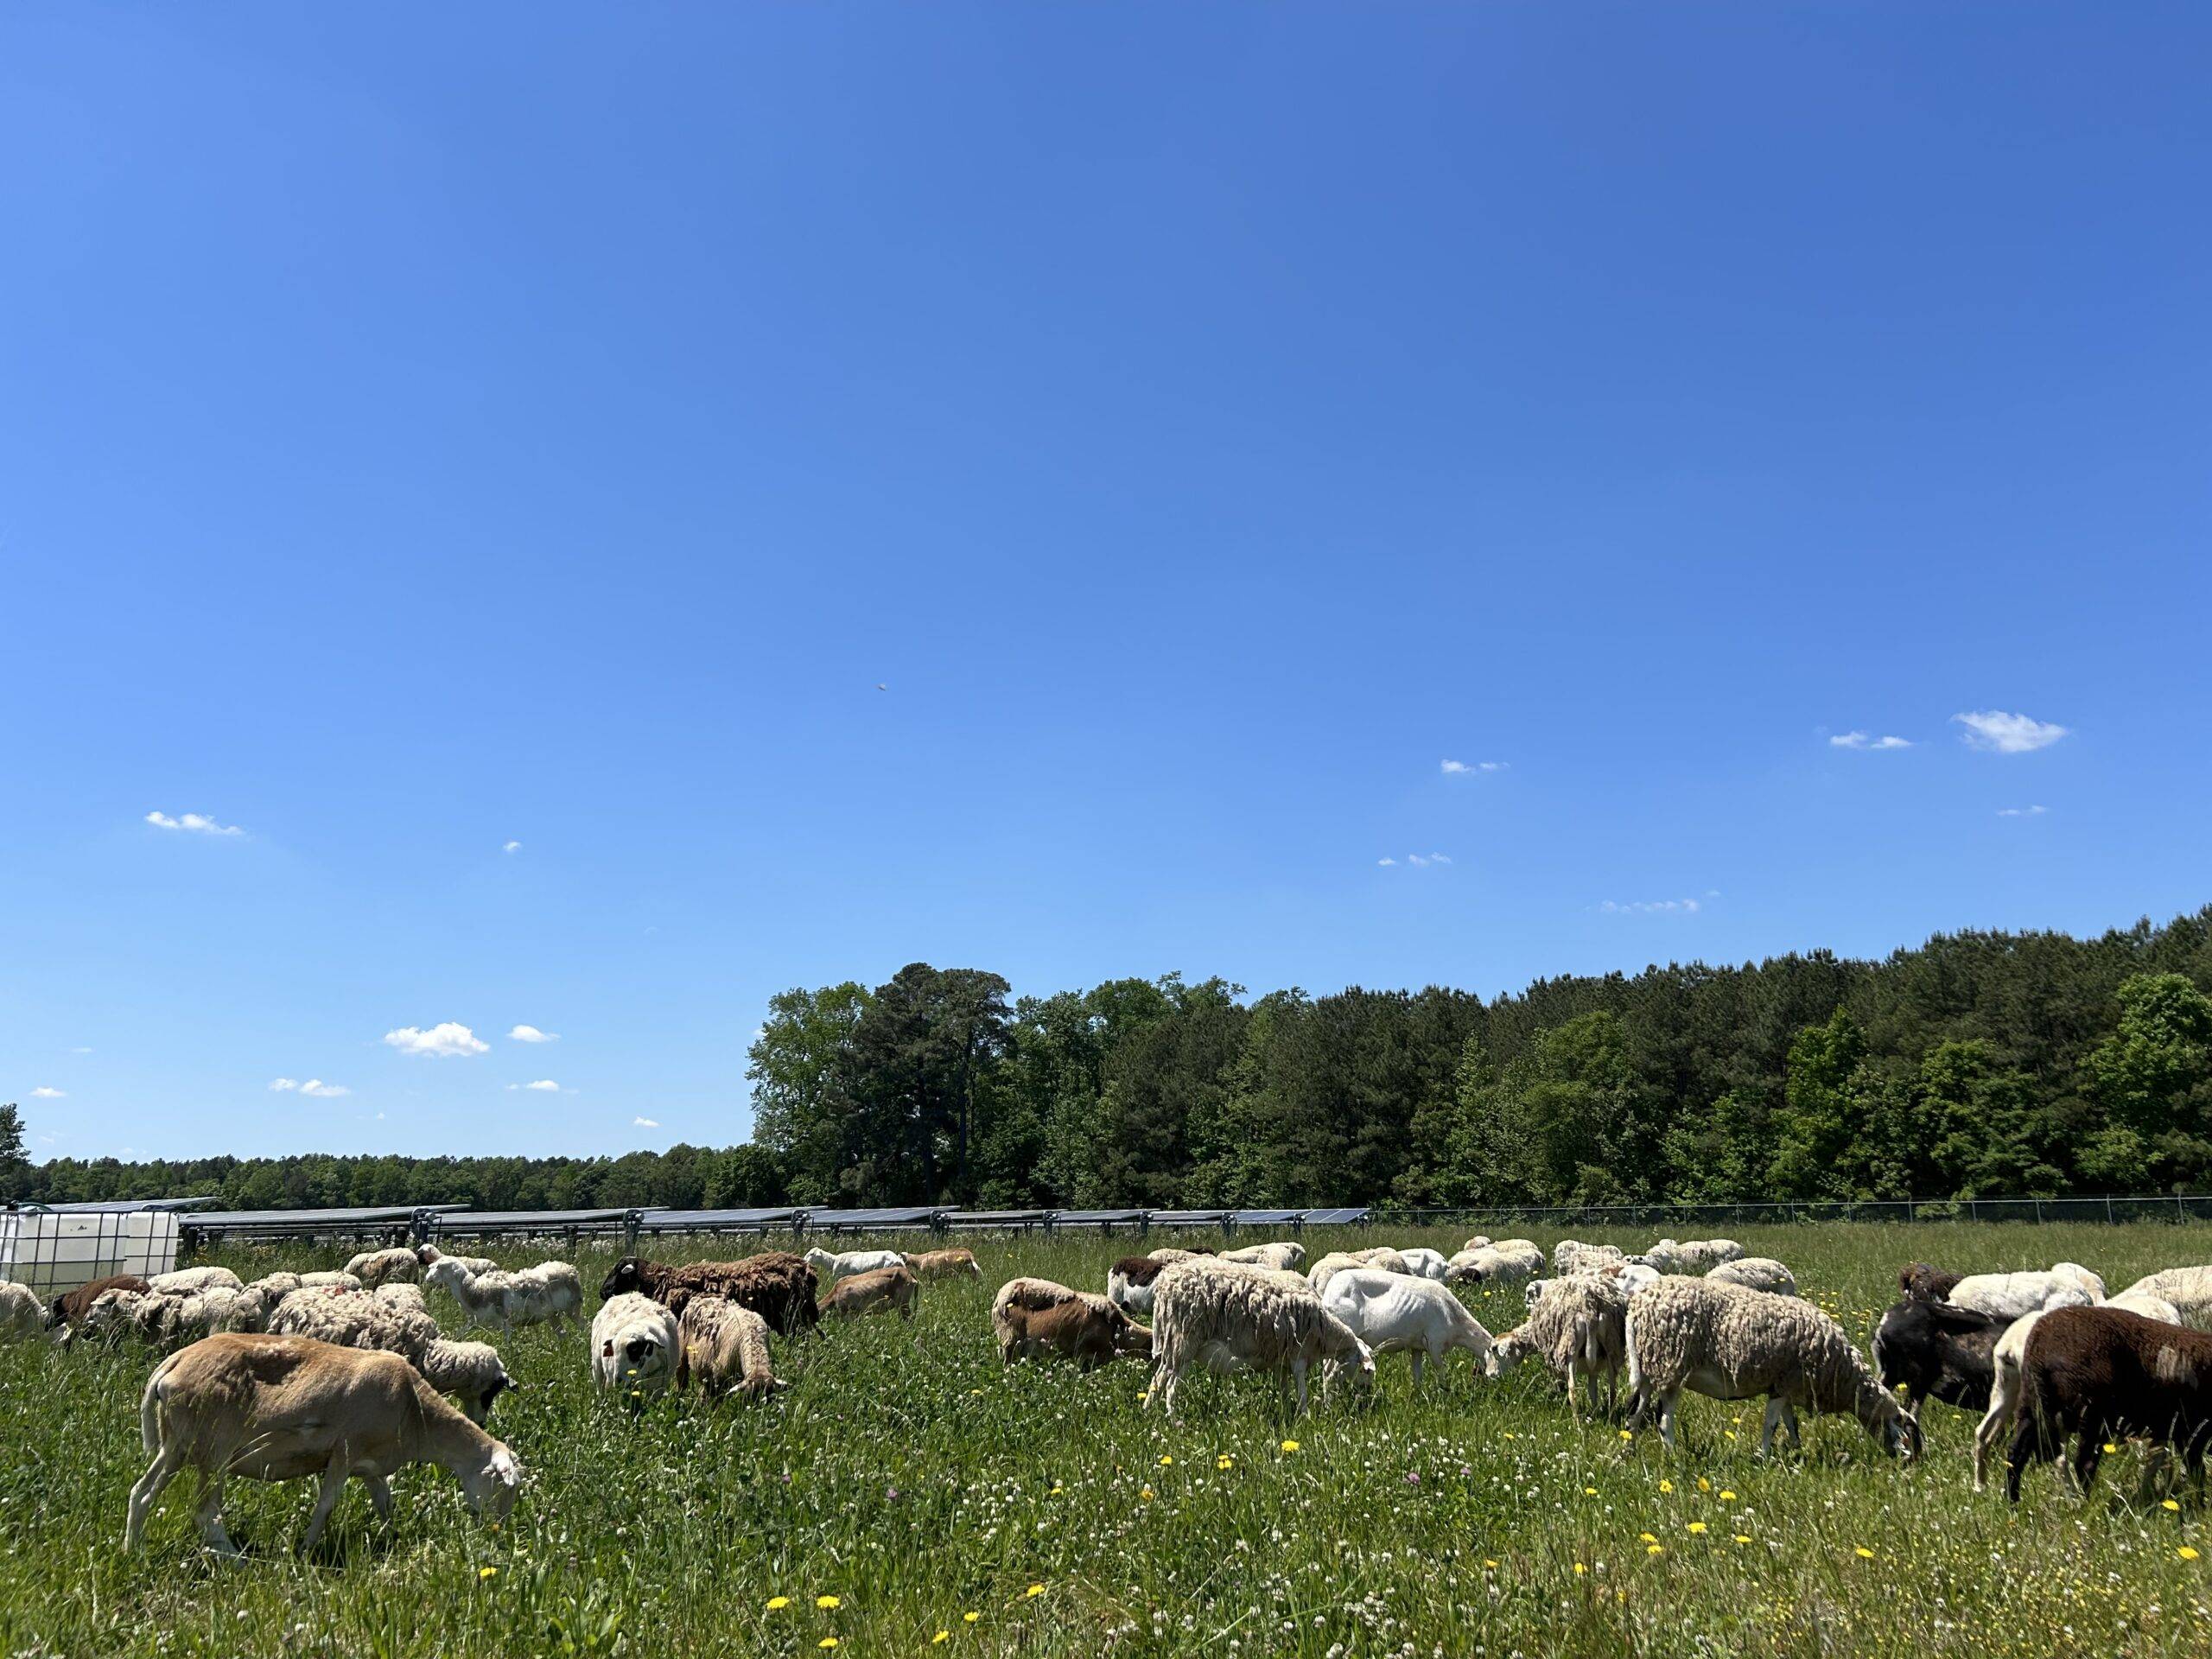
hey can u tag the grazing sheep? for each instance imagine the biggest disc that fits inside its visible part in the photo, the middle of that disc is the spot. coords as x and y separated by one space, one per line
1580 1328
2004 1389
1730 1343
873 1291
337 1278
22 1313
2189 1290
2011 1295
430 1255
1287 1256
168 1321
1035 1317
70 1309
1425 1262
2103 1373
725 1347
926 1265
354 1318
1392 1312
1932 1350
635 1346
1493 1265
552 1290
2135 1299
1572 1255
472 1372
375 1268
1696 1255
275 1408
1129 1283
186 1280
777 1284
275 1286
1925 1283
1756 1273
408 1296
844 1264
1479 1242
1208 1312
1172 1253
1382 1258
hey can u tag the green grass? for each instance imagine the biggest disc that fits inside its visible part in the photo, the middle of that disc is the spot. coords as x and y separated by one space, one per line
927 1489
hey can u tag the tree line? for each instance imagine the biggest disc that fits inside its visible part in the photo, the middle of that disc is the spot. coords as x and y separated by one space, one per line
1979 1063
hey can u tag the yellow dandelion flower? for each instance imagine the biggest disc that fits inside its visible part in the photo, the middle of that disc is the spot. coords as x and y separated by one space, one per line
1146 1494
826 1642
1727 1498
1864 1553
2186 1553
1579 1569
777 1604
1035 1589
1655 1549
1697 1526
2169 1504
1730 1432
1290 1446
1589 1492
1647 1538
1666 1485
970 1619
1165 1459
828 1603
1625 1436
2109 1446
942 1636
487 1572
1489 1563
1703 1484
1224 1461
1741 1538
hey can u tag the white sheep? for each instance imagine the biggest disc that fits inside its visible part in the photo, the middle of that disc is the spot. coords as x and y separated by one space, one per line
168 1321
22 1314
1479 1242
2005 1388
725 1346
1393 1312
374 1267
843 1264
2188 1289
635 1346
1755 1272
1732 1344
400 1294
2135 1299
1424 1262
430 1255
275 1408
1210 1314
1495 1265
551 1290
1579 1326
1570 1254
1172 1253
1286 1254
354 1318
472 1372
185 1280
1694 1256
2014 1295
1336 1261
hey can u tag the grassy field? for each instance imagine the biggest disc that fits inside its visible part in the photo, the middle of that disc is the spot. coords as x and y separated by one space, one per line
909 1495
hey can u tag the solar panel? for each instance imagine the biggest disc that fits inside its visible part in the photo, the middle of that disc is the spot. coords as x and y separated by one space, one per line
236 1218
1095 1218
1265 1218
1335 1217
126 1206
524 1220
910 1217
676 1220
1188 1217
995 1217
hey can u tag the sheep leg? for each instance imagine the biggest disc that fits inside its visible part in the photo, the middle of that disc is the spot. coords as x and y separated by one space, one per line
1774 1410
2087 1454
1573 1411
1667 1405
333 1484
1418 1356
1993 1423
208 1515
380 1496
1297 1376
144 1495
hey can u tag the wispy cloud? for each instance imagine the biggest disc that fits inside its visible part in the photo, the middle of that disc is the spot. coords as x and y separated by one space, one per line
2022 811
645 1123
1861 740
1463 769
81 1050
449 1040
194 822
1386 862
44 1093
1652 907
542 1086
532 1034
2002 734
510 846
1422 860
315 1086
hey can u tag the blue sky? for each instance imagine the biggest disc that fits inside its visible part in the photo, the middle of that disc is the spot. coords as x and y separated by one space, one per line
427 431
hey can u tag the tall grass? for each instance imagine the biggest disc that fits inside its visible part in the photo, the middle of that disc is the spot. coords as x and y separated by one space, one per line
948 1505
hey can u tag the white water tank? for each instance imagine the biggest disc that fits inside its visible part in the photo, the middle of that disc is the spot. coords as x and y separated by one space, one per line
56 1250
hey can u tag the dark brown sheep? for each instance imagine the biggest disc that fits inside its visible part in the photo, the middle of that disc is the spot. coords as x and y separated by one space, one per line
1923 1283
777 1284
72 1306
2104 1374
1938 1351
1035 1316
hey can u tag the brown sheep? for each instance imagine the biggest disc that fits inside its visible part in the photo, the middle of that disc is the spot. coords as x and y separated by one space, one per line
70 1307
945 1264
725 1347
873 1291
1923 1283
777 1284
1035 1316
2104 1373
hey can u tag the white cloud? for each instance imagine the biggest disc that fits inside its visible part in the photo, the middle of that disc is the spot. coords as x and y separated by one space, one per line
322 1091
440 1042
2022 811
645 1123
1424 861
1461 769
542 1086
532 1034
280 1084
194 823
1386 862
2004 734
510 846
1652 907
380 1117
81 1050
44 1093
1860 741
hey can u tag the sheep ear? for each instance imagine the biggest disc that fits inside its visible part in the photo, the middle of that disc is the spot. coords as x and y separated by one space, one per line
607 1348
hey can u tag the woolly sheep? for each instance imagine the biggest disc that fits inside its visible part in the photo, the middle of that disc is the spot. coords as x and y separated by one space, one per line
1392 1312
1479 1242
472 1372
354 1318
408 1296
1730 1343
1171 1253
635 1346
1695 1256
1756 1273
1580 1328
1336 1261
275 1408
1424 1262
1205 1309
337 1278
725 1347
168 1321
22 1313
777 1284
845 1263
1493 1265
873 1291
1570 1254
2188 1289
2102 1373
2014 1295
70 1311
2135 1299
430 1255
1288 1255
1033 1317
375 1268
186 1280
551 1290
